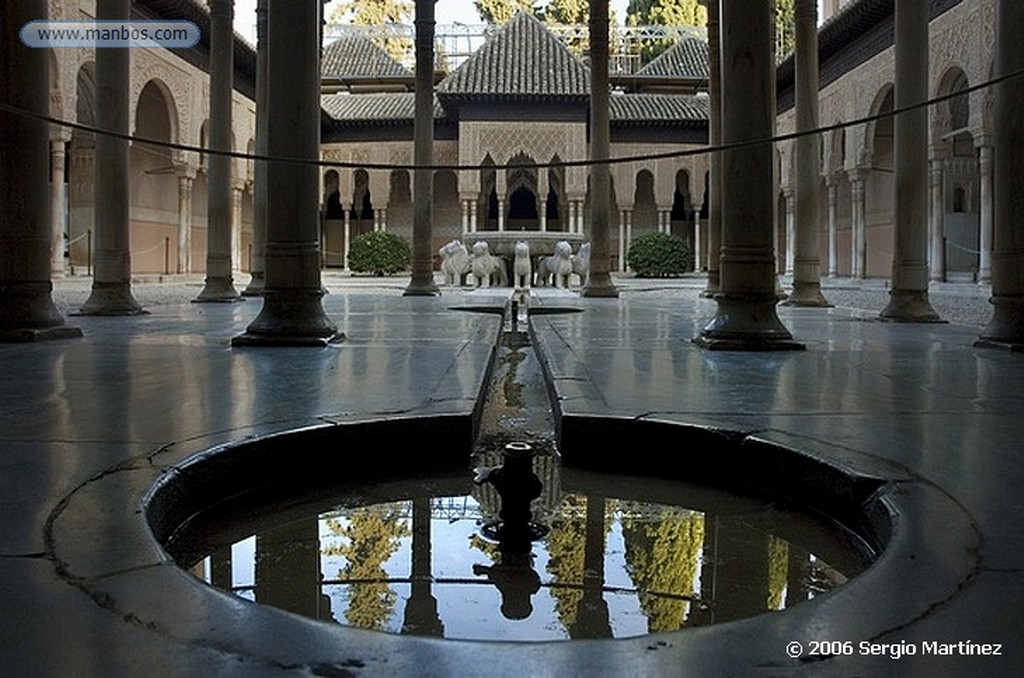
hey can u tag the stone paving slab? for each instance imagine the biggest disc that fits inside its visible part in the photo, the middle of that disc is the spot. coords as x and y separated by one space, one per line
915 404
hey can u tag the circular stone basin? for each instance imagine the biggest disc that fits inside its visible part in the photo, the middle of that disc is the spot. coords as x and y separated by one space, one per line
627 554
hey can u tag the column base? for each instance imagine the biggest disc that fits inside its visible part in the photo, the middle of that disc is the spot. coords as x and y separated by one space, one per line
1006 329
713 286
290 318
807 295
111 299
27 314
422 286
218 290
599 286
255 287
909 306
746 323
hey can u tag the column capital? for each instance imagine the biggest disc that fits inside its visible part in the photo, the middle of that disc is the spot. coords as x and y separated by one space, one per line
185 170
60 134
858 174
939 150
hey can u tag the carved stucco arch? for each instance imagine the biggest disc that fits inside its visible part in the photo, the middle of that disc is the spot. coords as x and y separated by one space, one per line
866 150
941 113
173 84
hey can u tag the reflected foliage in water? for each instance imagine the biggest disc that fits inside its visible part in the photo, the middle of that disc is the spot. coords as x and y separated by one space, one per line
608 568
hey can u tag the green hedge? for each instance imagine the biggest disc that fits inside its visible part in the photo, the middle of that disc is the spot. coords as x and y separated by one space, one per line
380 253
659 255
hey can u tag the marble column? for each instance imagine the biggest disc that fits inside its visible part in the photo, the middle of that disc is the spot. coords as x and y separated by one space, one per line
697 240
422 281
571 228
1007 325
908 296
807 260
186 175
219 277
789 198
985 190
27 312
936 213
473 216
622 241
259 193
346 234
746 318
832 186
715 138
542 198
858 212
292 312
58 201
501 214
112 270
599 282
237 193
465 216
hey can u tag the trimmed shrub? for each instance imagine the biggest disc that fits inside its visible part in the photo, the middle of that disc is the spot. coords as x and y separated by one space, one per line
379 253
659 255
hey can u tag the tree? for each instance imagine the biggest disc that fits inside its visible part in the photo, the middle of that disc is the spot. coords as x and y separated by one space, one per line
498 12
785 27
663 13
378 13
567 12
666 13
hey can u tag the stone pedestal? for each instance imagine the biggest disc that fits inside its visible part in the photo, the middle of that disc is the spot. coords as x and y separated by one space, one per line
27 312
259 196
111 289
220 285
806 260
1007 325
422 281
715 138
746 317
599 282
908 298
292 313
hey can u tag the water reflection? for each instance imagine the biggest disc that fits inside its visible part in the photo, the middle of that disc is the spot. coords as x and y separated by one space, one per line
609 568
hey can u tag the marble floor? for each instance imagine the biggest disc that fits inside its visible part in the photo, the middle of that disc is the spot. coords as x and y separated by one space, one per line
88 426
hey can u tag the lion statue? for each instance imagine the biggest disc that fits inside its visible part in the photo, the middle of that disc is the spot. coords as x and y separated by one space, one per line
454 262
581 263
557 267
487 268
522 269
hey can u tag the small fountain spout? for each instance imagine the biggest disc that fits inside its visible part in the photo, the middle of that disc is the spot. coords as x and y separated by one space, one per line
517 485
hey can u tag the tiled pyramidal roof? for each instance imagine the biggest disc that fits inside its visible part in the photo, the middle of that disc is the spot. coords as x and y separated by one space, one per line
686 59
521 60
374 109
353 56
658 109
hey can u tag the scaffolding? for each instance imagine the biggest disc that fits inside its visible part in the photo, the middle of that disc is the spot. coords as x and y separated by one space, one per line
456 42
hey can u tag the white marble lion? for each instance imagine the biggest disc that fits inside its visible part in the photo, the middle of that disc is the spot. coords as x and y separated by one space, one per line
454 262
522 269
558 267
487 268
